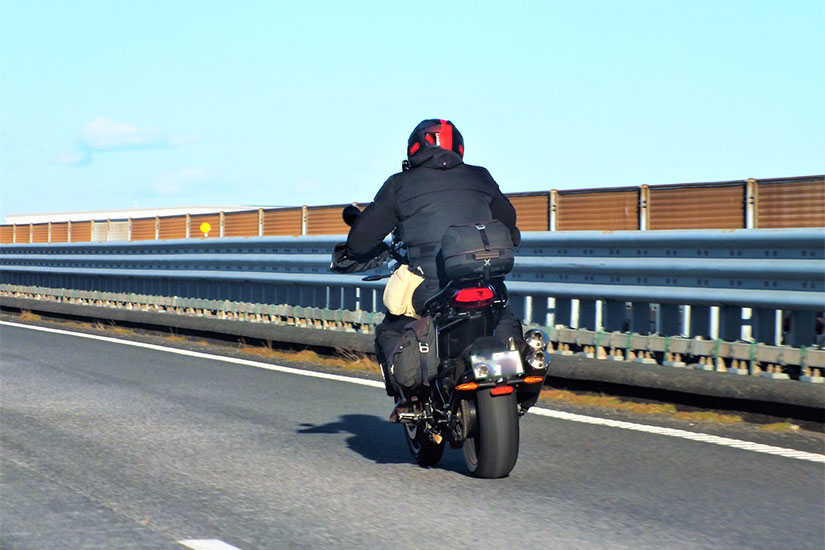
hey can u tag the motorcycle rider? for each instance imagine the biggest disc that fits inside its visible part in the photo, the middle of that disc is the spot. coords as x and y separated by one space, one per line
434 190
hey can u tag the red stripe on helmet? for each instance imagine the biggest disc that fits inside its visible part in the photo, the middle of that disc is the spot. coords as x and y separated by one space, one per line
446 136
415 147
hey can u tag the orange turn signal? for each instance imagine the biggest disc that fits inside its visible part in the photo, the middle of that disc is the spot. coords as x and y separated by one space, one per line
467 386
502 390
533 379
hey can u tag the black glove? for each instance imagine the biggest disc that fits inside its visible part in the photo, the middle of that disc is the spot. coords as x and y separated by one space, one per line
341 263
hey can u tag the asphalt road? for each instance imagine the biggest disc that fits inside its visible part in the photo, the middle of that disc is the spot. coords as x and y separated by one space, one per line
105 445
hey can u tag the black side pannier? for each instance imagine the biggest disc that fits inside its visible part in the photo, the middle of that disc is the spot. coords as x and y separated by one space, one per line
414 361
482 249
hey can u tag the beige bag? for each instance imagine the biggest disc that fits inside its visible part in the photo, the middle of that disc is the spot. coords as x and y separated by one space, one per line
399 291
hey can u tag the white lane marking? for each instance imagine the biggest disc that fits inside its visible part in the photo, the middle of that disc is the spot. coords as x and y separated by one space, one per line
683 434
207 544
200 355
670 432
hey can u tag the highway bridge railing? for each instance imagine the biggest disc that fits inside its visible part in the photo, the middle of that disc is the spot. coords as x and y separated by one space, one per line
752 295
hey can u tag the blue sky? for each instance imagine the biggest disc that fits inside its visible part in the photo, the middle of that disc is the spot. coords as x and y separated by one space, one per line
115 104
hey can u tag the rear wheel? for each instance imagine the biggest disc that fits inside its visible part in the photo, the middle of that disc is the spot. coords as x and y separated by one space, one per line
425 451
492 450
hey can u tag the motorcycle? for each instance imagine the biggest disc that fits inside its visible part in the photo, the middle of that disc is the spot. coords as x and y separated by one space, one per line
482 387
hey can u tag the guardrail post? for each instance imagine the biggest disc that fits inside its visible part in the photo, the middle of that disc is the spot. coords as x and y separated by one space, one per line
280 294
563 312
763 322
751 198
802 329
640 318
587 314
349 298
615 316
699 321
644 209
366 299
517 308
538 311
334 297
669 320
730 323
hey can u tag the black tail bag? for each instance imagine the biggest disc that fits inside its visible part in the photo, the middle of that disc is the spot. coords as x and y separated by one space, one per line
482 249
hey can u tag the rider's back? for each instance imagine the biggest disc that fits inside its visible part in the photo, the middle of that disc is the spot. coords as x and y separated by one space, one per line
439 190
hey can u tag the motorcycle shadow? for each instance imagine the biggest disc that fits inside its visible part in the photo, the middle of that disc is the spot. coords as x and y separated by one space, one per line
378 440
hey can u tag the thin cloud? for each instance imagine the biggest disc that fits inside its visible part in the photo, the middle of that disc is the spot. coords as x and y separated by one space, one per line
103 135
180 181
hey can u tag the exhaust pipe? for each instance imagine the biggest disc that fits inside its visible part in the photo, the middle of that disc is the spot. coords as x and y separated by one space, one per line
536 340
536 359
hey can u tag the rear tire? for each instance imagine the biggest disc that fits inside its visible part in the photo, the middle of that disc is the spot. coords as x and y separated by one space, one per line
492 450
425 451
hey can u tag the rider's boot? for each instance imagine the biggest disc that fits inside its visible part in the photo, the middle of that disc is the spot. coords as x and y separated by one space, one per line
404 405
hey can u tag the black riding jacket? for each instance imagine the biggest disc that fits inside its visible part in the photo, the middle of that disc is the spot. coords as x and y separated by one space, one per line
439 190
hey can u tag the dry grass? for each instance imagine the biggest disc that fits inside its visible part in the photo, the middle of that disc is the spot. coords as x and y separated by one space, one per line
779 427
345 359
607 401
709 416
26 315
639 408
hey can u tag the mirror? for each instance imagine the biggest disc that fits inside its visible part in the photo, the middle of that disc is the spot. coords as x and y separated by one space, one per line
350 213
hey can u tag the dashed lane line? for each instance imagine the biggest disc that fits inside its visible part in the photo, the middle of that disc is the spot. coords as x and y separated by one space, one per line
669 432
207 544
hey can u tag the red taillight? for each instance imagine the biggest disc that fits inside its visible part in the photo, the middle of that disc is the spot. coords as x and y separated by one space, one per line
502 390
479 296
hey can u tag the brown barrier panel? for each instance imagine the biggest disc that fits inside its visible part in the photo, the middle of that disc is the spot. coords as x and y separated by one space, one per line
143 229
326 220
60 232
172 227
608 210
532 211
282 222
241 224
6 234
195 222
81 232
23 233
720 206
40 233
791 203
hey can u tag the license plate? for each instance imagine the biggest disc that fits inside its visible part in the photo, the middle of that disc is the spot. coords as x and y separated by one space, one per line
497 364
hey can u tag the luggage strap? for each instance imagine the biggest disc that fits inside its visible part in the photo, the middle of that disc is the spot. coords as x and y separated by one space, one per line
481 229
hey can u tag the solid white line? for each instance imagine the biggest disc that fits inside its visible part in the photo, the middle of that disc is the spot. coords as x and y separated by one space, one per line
670 432
683 434
200 355
207 544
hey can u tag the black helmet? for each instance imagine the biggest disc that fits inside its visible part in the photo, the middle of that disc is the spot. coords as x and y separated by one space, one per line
435 133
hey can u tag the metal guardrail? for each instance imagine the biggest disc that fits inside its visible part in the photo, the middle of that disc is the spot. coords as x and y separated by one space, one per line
761 284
